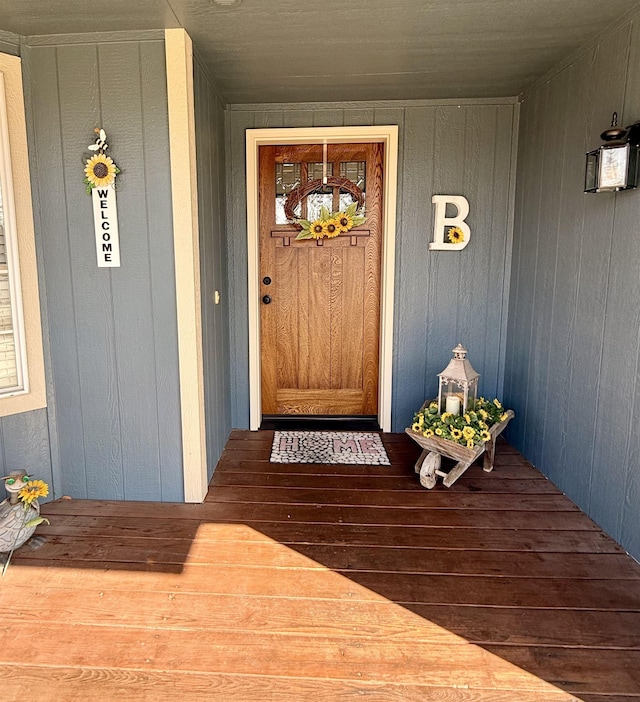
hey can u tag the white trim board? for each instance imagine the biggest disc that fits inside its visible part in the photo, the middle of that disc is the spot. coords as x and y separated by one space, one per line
184 193
387 135
367 104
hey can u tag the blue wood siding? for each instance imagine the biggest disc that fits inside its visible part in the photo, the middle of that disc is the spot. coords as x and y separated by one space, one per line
210 147
9 43
441 297
25 440
113 366
24 445
573 349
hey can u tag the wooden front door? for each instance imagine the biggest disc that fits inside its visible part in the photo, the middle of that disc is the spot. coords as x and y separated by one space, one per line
320 299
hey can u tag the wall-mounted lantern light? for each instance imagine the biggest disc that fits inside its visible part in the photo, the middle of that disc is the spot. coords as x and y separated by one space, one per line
615 165
458 387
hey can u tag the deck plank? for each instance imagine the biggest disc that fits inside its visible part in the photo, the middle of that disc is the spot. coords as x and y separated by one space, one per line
301 656
481 483
304 582
318 513
395 500
339 558
100 684
472 537
518 471
373 619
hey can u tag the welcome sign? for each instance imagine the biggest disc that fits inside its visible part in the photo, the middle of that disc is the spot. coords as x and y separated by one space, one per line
105 218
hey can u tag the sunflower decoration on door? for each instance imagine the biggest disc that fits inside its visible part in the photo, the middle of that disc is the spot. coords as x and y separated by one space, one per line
328 224
100 170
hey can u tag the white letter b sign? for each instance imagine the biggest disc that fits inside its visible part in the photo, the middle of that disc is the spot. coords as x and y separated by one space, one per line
461 232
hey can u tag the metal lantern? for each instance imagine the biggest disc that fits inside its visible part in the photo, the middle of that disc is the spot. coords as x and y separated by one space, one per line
614 166
458 388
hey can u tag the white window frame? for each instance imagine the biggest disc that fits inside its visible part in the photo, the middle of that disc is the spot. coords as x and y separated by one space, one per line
20 242
11 247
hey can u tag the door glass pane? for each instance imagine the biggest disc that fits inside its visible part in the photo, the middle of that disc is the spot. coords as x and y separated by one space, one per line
287 178
317 200
315 170
355 171
346 199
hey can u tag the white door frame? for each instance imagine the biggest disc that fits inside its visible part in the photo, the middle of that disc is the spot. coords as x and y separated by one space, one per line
387 135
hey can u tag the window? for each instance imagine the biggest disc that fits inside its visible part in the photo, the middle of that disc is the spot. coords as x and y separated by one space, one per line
21 362
13 371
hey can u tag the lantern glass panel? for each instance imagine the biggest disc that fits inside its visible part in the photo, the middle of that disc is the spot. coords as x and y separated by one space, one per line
451 398
634 163
591 172
613 167
472 396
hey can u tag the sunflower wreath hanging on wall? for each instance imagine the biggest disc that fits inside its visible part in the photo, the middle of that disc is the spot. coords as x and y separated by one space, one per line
329 224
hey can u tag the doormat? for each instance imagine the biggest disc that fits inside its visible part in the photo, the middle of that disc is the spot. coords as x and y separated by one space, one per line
359 448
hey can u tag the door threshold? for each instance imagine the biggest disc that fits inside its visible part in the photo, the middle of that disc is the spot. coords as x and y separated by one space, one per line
281 422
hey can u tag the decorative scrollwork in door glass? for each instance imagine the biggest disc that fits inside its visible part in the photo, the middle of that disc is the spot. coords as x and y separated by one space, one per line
317 200
354 171
288 176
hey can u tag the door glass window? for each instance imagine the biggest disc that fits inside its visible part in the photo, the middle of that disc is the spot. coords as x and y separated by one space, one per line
287 178
354 171
314 170
317 200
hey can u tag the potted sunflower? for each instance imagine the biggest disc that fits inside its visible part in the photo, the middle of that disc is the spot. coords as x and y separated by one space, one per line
20 513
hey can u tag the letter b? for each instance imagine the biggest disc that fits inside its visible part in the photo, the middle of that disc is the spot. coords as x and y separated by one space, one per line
442 222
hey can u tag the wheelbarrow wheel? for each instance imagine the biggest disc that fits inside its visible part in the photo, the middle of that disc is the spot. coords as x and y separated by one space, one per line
428 470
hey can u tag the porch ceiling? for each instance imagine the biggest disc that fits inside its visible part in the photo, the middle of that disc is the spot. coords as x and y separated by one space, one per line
293 51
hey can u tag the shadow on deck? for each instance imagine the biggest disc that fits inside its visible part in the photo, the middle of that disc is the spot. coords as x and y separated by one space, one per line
305 582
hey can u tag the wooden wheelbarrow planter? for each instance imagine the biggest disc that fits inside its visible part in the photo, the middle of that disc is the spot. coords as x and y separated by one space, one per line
428 465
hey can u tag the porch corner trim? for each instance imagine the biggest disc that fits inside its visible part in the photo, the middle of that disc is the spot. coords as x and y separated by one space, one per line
180 97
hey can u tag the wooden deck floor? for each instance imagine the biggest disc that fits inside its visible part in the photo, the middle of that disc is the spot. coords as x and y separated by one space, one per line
325 583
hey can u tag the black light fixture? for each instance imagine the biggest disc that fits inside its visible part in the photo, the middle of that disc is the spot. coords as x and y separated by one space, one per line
615 165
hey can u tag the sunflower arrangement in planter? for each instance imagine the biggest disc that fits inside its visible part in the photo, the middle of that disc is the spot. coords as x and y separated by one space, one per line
330 224
470 429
